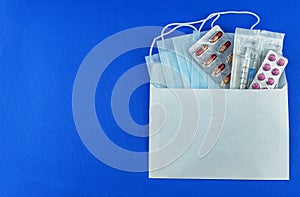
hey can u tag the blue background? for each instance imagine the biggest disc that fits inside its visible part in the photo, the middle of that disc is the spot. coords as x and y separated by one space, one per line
42 44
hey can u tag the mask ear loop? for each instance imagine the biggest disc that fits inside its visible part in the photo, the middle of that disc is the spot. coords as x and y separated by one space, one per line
203 21
238 12
208 18
188 24
161 36
213 22
163 33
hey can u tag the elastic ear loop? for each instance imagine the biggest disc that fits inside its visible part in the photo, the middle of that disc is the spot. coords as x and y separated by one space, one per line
167 33
203 21
163 33
185 24
231 12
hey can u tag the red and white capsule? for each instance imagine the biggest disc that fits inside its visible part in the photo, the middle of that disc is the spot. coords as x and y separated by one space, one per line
216 37
225 46
229 59
218 70
202 50
210 59
226 80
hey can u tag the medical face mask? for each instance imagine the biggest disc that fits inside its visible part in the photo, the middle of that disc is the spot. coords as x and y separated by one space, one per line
171 68
197 78
180 70
179 43
166 72
191 75
155 71
250 48
176 62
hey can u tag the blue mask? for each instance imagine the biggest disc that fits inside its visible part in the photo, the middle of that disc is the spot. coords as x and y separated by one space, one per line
170 66
155 71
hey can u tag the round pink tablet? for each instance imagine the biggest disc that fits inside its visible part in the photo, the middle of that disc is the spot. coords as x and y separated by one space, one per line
267 67
272 57
281 62
275 71
270 81
256 86
261 76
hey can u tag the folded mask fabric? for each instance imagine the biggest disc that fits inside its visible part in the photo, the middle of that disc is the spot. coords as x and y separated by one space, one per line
185 69
170 66
181 46
155 71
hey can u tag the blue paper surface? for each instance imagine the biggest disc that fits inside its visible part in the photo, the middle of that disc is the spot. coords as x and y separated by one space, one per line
42 45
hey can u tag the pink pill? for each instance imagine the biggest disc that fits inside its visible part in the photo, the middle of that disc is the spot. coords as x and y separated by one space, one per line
261 76
270 81
267 67
256 86
272 57
275 71
281 62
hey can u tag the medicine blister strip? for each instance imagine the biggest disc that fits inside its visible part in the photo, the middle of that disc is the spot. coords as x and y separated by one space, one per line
270 71
213 52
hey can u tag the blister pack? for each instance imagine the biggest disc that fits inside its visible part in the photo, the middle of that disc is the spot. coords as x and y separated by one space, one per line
213 52
250 47
269 72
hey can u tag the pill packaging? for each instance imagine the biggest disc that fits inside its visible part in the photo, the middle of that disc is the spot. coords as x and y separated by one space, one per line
213 52
270 71
250 48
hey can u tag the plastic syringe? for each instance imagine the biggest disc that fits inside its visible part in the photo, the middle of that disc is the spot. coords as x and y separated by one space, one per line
245 69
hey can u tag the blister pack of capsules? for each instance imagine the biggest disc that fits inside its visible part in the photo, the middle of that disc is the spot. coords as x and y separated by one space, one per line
213 52
270 71
250 47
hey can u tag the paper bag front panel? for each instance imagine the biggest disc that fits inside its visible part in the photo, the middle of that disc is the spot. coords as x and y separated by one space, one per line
251 130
